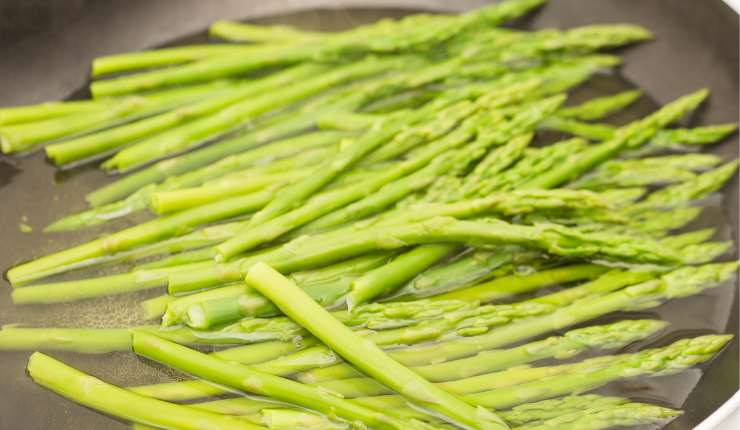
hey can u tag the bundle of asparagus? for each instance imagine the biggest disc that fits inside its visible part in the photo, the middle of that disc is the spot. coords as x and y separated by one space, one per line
373 234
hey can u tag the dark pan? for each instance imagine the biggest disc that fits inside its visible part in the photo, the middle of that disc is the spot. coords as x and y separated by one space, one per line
45 50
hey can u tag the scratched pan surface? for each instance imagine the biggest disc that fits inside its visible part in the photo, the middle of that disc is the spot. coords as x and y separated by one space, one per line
45 49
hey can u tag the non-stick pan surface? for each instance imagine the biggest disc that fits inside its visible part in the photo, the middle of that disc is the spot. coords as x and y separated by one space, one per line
45 50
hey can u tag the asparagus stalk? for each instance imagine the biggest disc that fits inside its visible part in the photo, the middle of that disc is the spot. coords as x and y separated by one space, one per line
24 114
129 61
94 393
369 358
506 286
699 186
626 415
600 107
643 172
244 378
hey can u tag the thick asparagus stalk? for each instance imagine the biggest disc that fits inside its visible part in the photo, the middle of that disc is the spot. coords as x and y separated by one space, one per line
244 378
369 358
122 403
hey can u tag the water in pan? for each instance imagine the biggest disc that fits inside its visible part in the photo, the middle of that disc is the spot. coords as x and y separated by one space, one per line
30 187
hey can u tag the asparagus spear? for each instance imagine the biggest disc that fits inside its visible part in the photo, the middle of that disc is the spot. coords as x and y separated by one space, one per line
643 172
122 403
129 61
368 357
506 286
627 415
702 185
249 380
600 107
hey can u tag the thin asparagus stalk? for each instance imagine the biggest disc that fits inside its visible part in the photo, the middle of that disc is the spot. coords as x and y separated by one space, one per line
244 378
98 341
369 358
552 408
643 172
129 61
586 130
601 107
122 403
24 114
507 286
164 202
693 136
209 235
626 415
691 189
